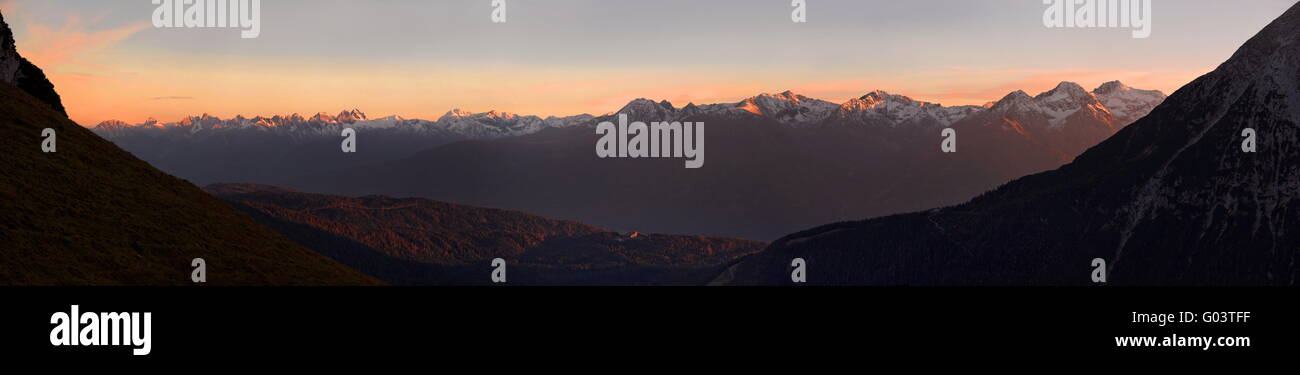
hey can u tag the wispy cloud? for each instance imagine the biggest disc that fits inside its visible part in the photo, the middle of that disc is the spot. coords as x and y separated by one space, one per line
79 53
72 44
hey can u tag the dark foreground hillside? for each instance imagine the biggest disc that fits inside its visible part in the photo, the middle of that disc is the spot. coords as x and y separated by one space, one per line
92 214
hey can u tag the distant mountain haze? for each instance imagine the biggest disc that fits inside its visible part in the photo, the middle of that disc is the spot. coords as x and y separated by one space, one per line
206 149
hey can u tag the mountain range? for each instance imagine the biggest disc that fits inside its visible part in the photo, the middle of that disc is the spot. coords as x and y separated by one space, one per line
486 125
1177 198
1124 103
874 155
207 149
275 149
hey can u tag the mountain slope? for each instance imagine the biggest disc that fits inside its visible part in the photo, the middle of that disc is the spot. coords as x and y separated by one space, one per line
91 214
423 242
1171 199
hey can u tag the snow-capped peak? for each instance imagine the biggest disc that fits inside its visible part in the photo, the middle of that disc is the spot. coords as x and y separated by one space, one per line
455 113
323 117
1012 101
1066 94
1111 87
1056 105
112 124
1126 103
786 95
1068 87
894 110
500 115
353 116
879 96
787 107
647 110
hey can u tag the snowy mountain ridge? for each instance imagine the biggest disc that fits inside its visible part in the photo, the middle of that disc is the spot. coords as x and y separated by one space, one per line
879 108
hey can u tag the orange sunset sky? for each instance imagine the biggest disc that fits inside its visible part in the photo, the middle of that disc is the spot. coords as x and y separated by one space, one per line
419 59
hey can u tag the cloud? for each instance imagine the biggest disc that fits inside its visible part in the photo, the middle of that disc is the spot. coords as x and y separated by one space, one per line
172 98
73 43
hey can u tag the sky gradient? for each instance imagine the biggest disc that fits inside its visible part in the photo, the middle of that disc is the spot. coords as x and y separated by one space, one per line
421 58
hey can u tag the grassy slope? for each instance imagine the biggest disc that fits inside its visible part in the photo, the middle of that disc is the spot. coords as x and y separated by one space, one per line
92 214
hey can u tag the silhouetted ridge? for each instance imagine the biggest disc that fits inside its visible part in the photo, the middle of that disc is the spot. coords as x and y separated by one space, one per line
17 71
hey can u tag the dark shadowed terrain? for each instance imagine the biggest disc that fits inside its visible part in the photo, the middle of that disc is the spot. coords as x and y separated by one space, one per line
1170 200
422 242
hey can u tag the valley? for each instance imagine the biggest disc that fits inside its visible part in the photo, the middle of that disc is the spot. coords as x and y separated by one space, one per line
871 156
